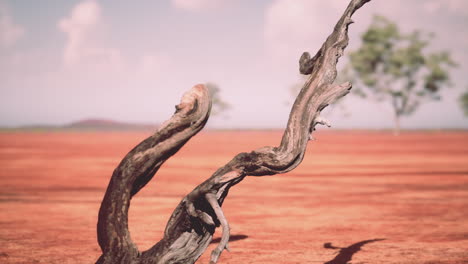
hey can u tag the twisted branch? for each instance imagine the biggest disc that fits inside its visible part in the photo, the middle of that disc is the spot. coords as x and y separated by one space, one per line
137 169
193 222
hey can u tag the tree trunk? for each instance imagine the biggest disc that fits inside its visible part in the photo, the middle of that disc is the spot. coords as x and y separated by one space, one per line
192 224
396 127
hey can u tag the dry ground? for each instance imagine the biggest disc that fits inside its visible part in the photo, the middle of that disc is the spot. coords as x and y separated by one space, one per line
352 187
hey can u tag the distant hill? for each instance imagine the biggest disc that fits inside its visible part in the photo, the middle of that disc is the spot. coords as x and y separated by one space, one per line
88 125
107 125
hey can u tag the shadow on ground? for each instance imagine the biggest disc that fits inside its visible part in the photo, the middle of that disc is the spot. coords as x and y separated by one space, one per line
231 238
346 254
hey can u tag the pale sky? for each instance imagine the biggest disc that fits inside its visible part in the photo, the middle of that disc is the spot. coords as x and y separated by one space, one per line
62 61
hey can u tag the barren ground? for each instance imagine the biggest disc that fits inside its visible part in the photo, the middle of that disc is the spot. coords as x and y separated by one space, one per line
352 187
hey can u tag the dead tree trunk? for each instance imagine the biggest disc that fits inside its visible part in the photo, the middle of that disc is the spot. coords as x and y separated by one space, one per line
193 222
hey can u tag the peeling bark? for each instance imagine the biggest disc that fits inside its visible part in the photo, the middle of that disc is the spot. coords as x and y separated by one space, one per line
193 222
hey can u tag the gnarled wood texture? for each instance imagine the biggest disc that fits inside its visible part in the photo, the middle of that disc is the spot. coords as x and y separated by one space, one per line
137 169
193 222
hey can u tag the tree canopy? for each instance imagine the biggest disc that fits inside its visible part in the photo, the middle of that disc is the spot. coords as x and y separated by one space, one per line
464 102
219 105
396 67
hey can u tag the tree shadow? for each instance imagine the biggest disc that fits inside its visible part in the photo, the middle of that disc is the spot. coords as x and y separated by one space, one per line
345 254
231 238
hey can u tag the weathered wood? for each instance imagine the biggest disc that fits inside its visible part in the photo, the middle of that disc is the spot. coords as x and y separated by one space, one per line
192 224
223 244
137 169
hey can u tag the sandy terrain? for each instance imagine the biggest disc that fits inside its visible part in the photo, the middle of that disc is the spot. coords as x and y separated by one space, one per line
352 189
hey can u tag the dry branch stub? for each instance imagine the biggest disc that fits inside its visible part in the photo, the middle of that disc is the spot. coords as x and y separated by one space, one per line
193 222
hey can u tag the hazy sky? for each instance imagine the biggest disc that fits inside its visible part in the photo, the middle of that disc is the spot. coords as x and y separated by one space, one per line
62 61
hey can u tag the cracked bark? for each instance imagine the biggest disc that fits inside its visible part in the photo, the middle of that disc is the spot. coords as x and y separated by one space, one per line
193 222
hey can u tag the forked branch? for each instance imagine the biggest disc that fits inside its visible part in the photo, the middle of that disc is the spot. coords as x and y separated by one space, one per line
193 222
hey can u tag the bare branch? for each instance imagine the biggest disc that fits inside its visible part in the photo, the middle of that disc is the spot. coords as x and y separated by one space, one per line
137 169
193 222
223 244
317 93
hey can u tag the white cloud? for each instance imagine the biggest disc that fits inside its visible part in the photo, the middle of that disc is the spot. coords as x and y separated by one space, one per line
89 56
84 44
451 6
196 5
9 31
294 26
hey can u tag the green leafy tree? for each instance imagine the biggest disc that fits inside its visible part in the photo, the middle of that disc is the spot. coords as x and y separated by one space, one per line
218 104
464 102
395 67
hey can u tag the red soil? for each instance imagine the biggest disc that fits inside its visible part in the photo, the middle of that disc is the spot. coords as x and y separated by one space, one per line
410 190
